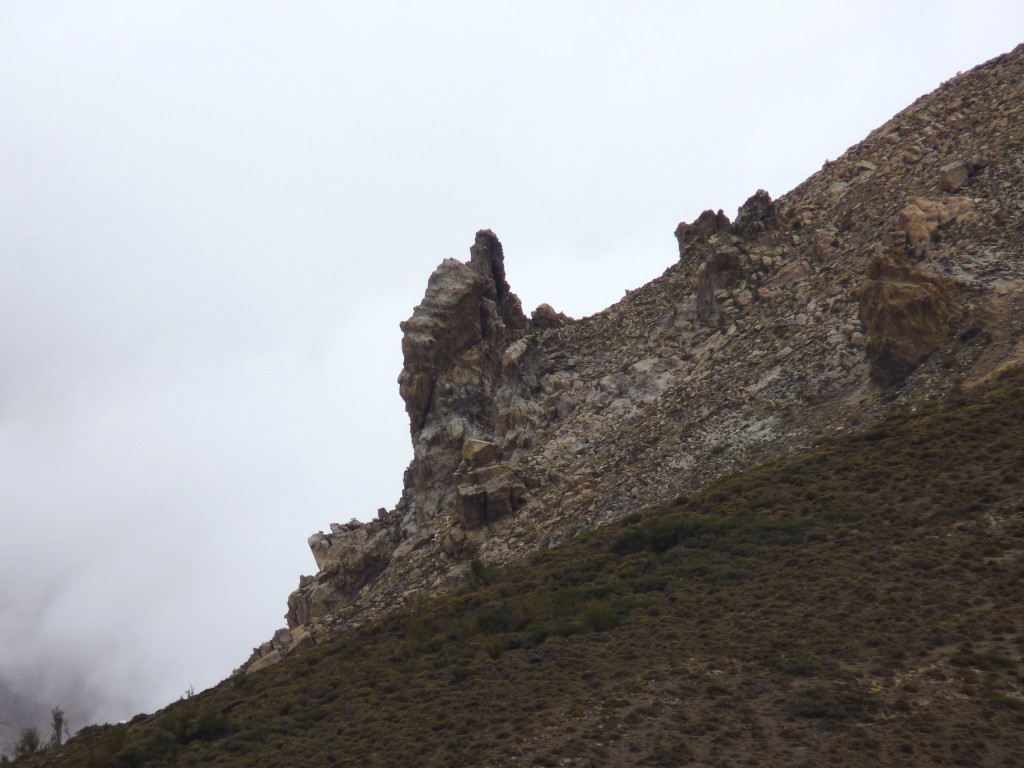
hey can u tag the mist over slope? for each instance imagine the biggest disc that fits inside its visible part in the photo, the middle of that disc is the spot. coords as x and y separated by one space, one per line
888 279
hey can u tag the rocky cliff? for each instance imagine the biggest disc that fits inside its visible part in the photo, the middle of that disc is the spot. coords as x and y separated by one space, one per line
892 275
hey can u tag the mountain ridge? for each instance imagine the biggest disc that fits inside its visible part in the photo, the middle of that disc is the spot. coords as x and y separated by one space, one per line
891 275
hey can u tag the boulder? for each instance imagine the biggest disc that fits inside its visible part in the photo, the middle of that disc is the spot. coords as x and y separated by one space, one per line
479 452
545 317
487 495
823 241
921 217
906 313
953 176
263 662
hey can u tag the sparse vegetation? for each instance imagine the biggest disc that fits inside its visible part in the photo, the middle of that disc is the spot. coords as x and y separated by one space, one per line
58 727
29 742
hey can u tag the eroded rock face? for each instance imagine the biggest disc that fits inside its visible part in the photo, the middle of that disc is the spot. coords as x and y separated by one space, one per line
454 347
348 558
706 226
460 347
756 216
906 313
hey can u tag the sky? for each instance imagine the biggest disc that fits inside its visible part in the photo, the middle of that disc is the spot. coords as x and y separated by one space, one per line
214 214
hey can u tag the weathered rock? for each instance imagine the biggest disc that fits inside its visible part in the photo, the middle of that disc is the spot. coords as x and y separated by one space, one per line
487 495
906 314
479 452
895 239
823 241
922 216
953 176
703 228
348 558
545 317
756 216
263 662
722 270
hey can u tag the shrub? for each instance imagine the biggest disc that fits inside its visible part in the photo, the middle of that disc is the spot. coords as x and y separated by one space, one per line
29 742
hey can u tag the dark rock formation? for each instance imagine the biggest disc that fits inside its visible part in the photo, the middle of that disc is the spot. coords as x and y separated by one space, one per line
756 216
703 228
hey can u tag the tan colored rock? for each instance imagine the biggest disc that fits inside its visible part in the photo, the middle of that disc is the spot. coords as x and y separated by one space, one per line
791 274
823 241
263 662
895 239
953 176
515 351
479 452
301 640
348 558
545 316
912 155
906 313
922 216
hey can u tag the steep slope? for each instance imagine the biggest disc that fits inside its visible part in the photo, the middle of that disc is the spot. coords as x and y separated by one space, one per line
889 277
855 604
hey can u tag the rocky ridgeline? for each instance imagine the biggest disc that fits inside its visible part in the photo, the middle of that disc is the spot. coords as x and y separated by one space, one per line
889 277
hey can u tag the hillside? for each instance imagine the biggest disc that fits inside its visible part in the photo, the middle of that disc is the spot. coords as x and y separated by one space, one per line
857 602
765 510
887 278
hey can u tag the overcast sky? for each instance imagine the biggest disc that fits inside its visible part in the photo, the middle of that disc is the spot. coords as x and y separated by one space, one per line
213 216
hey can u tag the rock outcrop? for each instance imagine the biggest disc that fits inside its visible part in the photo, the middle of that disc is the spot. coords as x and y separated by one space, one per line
862 289
906 313
922 217
455 345
704 227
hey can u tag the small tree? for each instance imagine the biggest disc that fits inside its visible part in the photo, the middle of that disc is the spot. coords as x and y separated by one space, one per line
59 724
29 742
